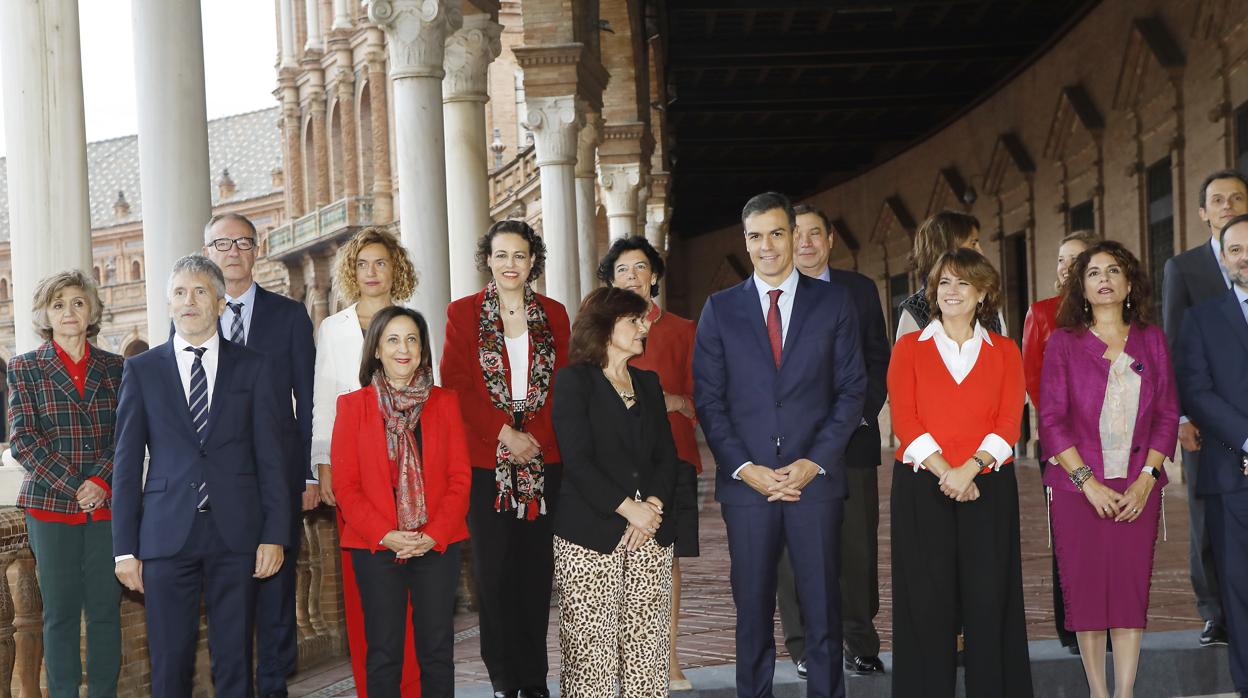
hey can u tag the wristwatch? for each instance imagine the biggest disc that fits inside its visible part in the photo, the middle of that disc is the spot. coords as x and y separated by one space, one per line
982 465
1155 472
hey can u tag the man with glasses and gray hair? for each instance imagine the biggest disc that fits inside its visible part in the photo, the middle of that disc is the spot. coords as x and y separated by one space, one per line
279 328
212 512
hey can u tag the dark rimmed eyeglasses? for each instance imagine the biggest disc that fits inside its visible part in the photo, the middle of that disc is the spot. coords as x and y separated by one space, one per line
224 244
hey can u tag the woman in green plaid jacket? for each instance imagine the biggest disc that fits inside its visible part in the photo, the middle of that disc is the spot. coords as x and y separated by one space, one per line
62 403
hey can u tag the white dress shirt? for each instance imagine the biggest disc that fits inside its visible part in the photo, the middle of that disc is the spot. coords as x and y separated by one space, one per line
518 364
788 288
958 360
248 299
186 360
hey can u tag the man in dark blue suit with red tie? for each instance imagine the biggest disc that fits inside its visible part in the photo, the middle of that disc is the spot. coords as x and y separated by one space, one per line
1213 385
279 328
779 384
213 511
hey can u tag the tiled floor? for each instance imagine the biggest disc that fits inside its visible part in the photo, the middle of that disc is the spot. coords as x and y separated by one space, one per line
707 614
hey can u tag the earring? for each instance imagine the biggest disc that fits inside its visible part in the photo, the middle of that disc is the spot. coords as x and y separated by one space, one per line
1087 308
1128 302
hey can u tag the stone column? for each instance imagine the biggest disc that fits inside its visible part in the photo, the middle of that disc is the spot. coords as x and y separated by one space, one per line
469 53
342 14
49 214
286 17
416 32
586 204
173 142
555 122
320 148
313 16
620 184
292 143
345 86
383 201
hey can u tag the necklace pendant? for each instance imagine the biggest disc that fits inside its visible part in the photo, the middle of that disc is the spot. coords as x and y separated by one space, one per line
511 312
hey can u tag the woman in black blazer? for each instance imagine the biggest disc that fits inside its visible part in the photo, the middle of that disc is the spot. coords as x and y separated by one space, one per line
613 554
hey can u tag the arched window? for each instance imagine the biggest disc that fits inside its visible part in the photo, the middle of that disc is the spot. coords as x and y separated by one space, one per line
136 271
4 289
335 153
95 273
309 167
365 126
135 348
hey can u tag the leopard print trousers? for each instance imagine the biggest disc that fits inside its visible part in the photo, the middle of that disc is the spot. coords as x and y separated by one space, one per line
614 616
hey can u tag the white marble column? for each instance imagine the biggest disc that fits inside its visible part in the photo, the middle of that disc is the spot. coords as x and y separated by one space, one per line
586 205
286 17
173 142
416 33
49 214
342 14
656 235
313 17
555 122
469 53
621 183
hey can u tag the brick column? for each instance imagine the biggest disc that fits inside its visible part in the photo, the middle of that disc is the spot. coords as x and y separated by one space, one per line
586 203
383 202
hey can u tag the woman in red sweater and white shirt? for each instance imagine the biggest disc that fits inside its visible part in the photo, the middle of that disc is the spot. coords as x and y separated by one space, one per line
956 392
401 477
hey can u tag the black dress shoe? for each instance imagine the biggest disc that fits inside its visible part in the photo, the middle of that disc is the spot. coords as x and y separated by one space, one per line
801 669
1212 635
275 694
513 693
863 665
534 692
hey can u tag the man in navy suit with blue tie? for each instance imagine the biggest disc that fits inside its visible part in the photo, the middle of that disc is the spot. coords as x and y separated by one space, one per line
1213 385
212 512
779 384
279 328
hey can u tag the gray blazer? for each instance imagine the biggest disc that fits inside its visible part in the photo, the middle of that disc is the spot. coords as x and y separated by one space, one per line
1189 278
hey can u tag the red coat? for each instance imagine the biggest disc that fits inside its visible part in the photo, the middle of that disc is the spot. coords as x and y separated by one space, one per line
363 470
461 372
1040 323
669 353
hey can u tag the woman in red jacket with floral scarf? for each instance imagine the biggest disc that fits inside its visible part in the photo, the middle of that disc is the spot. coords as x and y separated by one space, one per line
401 478
503 346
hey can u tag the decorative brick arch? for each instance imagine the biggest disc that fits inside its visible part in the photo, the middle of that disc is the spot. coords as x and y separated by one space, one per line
1009 184
948 192
1075 143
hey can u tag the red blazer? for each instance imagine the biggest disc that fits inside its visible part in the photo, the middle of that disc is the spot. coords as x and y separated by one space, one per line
362 470
1040 323
461 372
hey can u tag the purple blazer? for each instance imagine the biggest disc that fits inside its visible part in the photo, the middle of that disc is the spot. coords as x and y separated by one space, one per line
1072 391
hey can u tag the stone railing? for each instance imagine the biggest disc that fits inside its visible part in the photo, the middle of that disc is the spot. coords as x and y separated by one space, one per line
318 603
509 183
322 224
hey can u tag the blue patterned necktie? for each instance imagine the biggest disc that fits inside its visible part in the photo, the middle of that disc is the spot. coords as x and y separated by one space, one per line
236 327
197 401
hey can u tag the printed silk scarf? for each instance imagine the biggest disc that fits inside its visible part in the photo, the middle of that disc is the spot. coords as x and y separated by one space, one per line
400 411
519 486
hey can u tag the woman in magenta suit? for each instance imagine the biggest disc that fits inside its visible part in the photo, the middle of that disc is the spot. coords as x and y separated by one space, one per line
1110 415
401 477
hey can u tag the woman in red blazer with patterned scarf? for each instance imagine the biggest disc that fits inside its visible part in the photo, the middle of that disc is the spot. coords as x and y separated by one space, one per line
401 480
503 346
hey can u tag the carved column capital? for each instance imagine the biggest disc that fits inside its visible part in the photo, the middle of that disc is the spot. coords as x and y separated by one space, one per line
621 184
555 123
587 145
416 32
469 52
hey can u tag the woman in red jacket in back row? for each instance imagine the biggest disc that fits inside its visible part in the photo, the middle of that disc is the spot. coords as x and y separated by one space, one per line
401 477
503 346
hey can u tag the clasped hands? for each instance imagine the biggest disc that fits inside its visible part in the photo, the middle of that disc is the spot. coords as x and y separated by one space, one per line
957 484
644 518
780 484
408 544
1125 506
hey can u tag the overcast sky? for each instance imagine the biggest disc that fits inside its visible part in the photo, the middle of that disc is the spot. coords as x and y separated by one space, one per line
239 53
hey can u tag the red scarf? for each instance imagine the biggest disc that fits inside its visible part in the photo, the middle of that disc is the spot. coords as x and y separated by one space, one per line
400 411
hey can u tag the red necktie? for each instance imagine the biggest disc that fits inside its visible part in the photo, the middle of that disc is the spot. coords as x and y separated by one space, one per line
775 332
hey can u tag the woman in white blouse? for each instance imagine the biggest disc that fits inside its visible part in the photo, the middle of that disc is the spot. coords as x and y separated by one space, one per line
373 271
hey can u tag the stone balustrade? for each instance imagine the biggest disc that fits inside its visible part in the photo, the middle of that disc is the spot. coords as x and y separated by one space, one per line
510 183
331 221
319 611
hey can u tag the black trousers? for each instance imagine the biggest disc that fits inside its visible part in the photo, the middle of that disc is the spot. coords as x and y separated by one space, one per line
277 639
949 556
1066 637
860 576
1205 581
386 586
514 564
